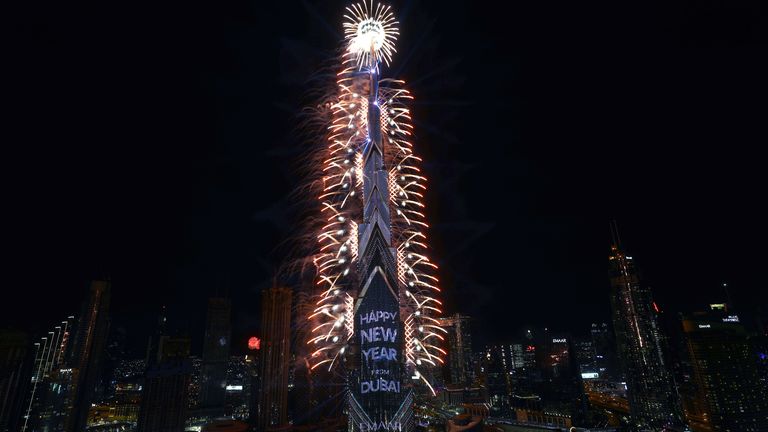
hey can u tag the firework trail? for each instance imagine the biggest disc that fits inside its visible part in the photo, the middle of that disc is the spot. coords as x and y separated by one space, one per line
366 174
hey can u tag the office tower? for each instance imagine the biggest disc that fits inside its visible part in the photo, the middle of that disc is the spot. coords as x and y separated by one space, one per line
376 286
497 367
604 345
216 347
272 406
652 398
238 388
15 370
459 346
164 398
728 391
153 343
51 391
88 345
584 351
553 355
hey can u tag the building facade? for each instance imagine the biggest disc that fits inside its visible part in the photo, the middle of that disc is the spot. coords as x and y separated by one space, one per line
459 338
272 402
216 348
728 391
652 397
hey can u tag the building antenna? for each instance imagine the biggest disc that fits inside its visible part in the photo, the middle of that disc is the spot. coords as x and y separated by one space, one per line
615 233
727 295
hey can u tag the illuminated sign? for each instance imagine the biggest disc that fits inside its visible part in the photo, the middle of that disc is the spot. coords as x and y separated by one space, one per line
234 388
731 318
378 344
589 375
563 340
704 326
254 343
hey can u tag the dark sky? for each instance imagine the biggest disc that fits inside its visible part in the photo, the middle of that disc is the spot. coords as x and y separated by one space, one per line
155 142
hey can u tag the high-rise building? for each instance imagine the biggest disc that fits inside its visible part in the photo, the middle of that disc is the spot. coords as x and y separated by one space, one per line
15 369
728 391
272 402
459 349
652 398
51 390
164 398
90 339
604 345
497 368
216 347
584 351
375 318
67 367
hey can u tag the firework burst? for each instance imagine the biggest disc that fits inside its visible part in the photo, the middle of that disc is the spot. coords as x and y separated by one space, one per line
371 32
367 111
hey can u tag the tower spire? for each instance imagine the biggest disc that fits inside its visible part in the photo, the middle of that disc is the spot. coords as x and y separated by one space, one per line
615 238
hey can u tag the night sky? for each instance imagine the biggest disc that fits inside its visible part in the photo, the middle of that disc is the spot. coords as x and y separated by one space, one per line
156 143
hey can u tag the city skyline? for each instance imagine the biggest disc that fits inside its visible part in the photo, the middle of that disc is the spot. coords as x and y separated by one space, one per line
219 230
166 199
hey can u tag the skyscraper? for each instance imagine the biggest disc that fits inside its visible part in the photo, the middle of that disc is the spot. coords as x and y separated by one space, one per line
652 398
51 392
728 392
90 339
88 351
216 347
459 346
272 402
164 398
604 345
375 317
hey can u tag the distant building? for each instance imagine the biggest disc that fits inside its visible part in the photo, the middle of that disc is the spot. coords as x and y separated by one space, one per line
652 398
604 345
272 402
585 358
44 408
164 397
729 392
216 348
238 388
459 349
497 369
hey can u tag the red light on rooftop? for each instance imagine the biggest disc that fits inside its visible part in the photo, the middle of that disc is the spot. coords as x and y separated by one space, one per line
254 343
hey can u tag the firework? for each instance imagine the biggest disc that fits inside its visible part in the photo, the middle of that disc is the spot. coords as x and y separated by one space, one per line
373 222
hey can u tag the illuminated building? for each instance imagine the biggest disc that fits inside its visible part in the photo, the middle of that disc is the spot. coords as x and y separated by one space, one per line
216 344
272 402
497 367
651 395
553 355
604 346
238 388
164 398
728 392
15 369
585 358
459 338
130 368
375 317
